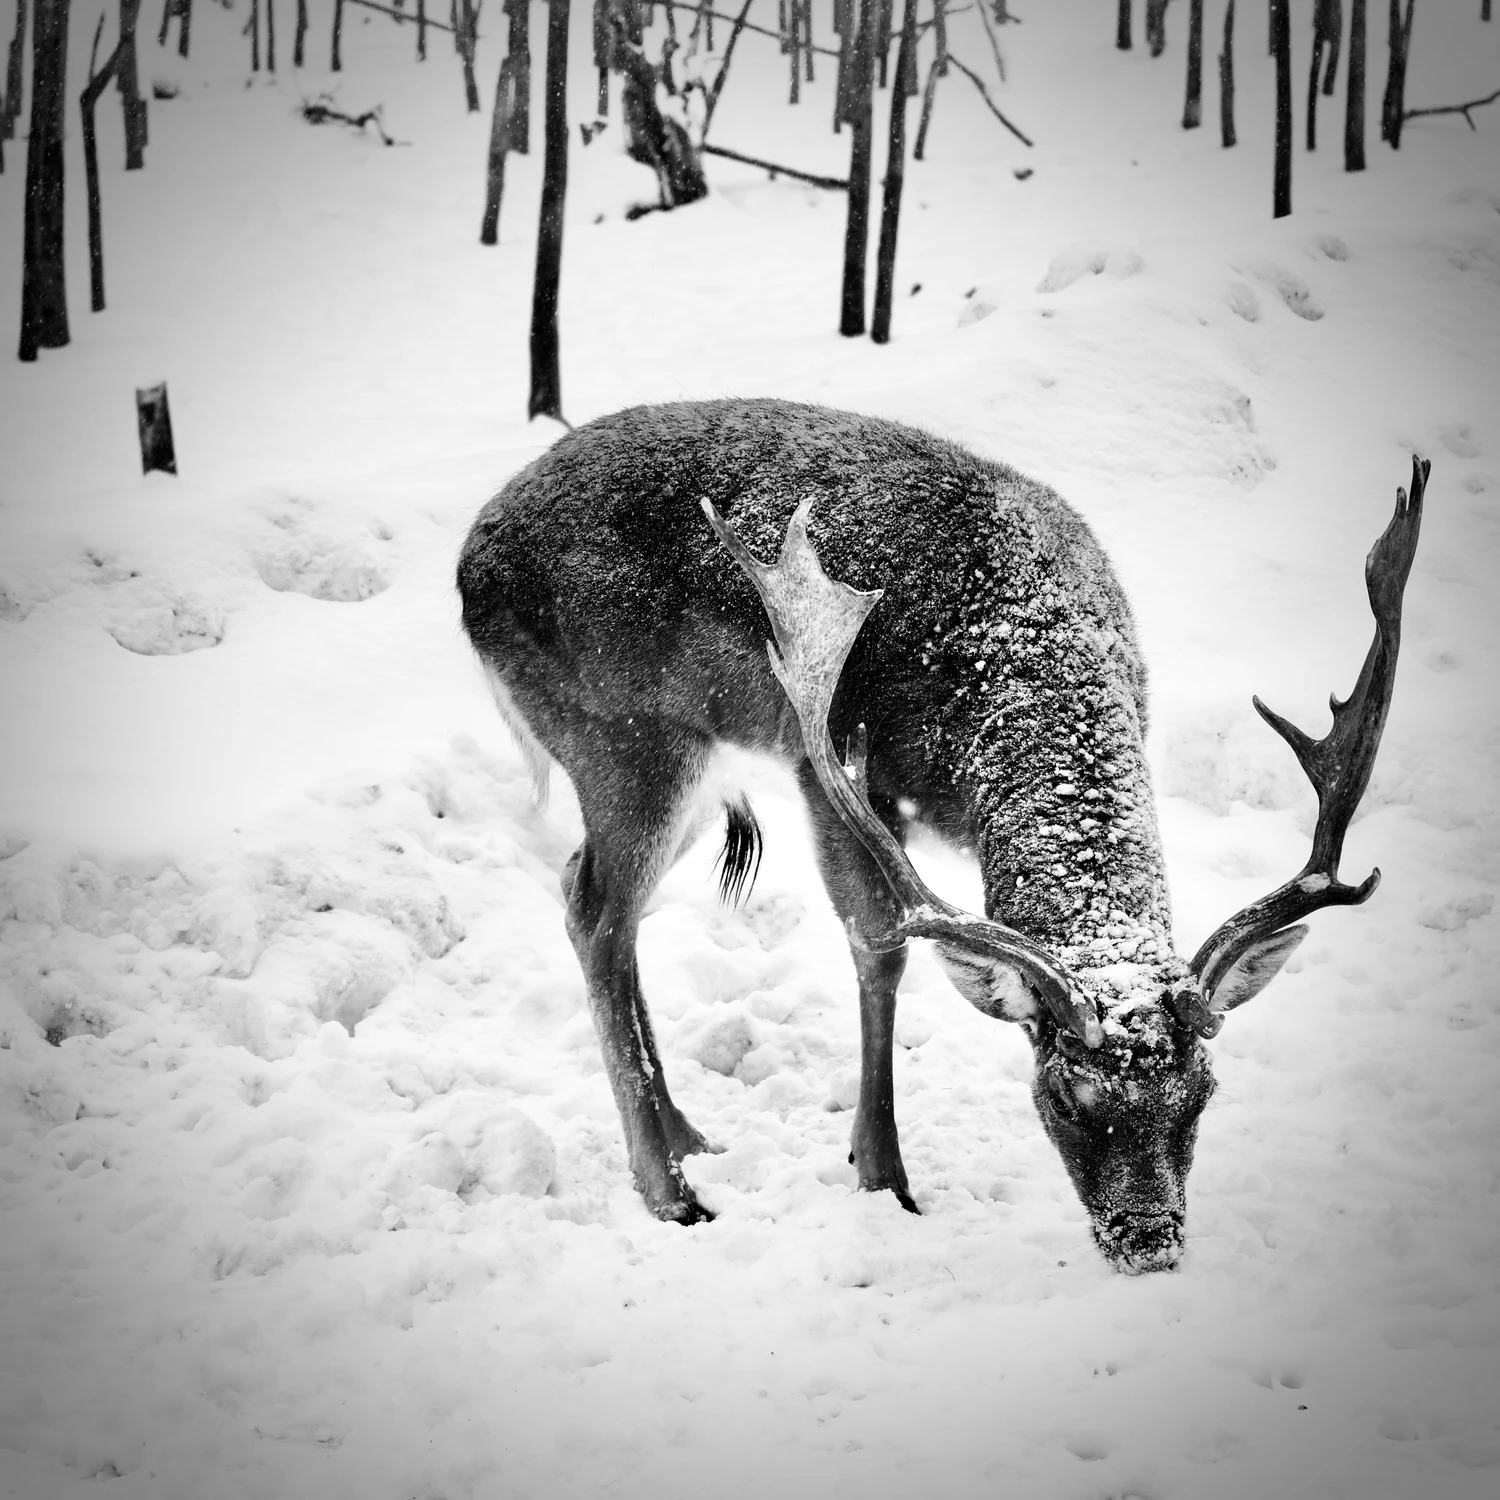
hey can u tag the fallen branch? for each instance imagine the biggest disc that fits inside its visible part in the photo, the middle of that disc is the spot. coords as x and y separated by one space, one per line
836 184
711 94
1453 109
984 94
399 15
318 113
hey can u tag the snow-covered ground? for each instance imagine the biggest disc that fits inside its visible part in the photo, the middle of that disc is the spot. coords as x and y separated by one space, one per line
311 1179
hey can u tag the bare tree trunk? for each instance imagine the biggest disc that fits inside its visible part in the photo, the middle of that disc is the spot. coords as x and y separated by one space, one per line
1281 48
184 25
857 227
546 376
1226 80
44 296
87 101
13 74
1156 26
253 27
127 76
297 43
1354 87
1192 109
845 27
1122 26
494 187
895 175
518 120
939 69
1484 10
270 36
604 52
1394 104
336 64
1328 21
468 35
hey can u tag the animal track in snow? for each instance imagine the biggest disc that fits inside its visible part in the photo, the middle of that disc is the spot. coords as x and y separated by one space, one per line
1458 438
1084 258
1243 302
151 621
1290 288
339 569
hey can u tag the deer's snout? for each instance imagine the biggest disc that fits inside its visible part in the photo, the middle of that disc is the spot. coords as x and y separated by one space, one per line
1137 1243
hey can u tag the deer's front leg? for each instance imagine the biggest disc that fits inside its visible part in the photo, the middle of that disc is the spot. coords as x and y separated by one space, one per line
859 892
874 1147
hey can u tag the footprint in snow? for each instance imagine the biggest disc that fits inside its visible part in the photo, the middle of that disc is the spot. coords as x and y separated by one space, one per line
302 560
1087 257
152 621
1290 288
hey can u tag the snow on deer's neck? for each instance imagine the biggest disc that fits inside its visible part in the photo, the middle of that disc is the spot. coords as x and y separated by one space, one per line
1046 730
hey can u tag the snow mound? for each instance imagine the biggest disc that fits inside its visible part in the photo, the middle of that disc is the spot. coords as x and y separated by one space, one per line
1088 257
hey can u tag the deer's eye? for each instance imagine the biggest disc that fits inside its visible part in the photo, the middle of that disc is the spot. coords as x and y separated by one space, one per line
1061 1097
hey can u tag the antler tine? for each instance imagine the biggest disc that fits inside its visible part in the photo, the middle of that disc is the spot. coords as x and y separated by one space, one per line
815 620
1338 765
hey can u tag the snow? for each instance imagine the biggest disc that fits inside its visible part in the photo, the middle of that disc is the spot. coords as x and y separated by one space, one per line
321 1189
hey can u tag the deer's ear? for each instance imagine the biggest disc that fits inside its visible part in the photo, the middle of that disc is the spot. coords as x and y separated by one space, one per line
988 984
1254 969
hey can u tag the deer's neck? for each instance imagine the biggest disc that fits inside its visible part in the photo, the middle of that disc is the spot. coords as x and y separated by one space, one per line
1047 742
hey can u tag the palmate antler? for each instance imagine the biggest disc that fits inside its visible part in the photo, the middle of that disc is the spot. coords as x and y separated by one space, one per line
1338 766
816 620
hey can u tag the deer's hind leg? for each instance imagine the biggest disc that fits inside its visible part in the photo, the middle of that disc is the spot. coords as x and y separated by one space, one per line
858 890
633 807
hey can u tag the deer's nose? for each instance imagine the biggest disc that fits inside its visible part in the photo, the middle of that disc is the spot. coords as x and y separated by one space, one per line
1139 1243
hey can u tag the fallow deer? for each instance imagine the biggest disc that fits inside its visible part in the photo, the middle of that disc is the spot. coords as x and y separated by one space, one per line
978 659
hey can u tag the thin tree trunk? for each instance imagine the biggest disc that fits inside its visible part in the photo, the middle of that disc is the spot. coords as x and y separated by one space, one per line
1331 23
1354 91
336 64
1122 26
1192 109
1394 104
468 26
518 122
297 42
127 76
44 297
857 227
184 25
1156 26
939 69
87 101
1226 80
421 30
845 25
13 73
1327 23
1484 10
546 377
895 175
270 36
494 187
1281 49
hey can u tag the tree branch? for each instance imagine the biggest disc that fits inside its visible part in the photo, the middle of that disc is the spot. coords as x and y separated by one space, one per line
837 184
399 15
984 94
1454 109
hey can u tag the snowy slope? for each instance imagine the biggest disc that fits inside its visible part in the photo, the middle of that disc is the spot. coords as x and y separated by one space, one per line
320 1190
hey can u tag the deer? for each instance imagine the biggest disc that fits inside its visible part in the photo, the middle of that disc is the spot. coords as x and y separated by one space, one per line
787 579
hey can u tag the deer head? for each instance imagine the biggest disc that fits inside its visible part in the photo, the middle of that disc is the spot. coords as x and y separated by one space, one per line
1122 1075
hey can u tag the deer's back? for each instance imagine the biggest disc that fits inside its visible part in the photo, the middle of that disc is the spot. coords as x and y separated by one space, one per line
595 569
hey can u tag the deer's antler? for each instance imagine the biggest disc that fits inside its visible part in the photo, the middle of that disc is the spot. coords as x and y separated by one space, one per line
816 620
1338 765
